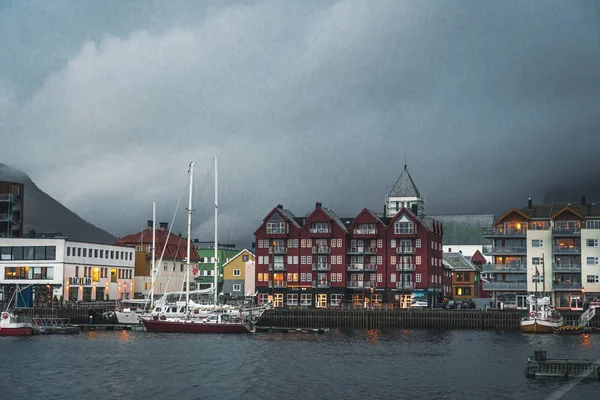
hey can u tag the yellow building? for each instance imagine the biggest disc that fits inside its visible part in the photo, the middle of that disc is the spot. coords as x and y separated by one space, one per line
238 275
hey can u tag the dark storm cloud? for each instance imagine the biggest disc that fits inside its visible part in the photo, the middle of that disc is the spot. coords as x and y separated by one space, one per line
491 102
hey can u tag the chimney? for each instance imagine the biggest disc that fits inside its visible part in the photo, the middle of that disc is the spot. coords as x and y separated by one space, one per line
449 250
149 224
384 210
318 204
529 204
164 226
280 206
583 199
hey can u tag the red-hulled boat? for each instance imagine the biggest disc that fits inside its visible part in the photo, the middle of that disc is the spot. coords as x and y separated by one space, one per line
215 323
12 325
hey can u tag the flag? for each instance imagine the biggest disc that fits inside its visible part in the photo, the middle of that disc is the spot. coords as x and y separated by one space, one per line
195 270
537 272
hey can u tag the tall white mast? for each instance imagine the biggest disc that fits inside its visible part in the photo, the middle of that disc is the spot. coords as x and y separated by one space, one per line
189 236
153 255
216 272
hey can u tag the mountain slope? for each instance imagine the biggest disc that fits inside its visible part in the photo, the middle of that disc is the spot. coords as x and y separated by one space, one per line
43 214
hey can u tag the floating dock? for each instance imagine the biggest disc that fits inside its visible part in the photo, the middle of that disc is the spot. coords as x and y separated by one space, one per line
109 327
541 366
272 329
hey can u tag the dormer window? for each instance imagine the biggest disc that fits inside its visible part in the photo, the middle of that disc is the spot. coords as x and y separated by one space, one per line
275 227
404 227
319 227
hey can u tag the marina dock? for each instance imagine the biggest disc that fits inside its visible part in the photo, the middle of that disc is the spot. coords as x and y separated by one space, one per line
541 366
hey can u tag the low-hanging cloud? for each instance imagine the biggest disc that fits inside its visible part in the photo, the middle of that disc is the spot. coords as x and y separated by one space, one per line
307 101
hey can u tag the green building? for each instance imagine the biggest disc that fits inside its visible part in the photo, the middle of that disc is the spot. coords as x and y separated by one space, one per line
206 266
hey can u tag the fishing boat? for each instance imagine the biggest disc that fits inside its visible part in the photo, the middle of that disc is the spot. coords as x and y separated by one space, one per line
12 324
542 317
218 322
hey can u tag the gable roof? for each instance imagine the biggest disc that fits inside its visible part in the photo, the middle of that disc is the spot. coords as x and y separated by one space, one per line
459 262
478 258
350 222
174 247
237 255
464 229
566 209
405 186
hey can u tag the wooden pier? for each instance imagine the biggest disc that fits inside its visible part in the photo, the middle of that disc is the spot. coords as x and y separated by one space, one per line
359 319
541 366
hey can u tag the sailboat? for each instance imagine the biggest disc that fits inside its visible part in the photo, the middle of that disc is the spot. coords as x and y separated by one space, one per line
14 325
542 318
218 322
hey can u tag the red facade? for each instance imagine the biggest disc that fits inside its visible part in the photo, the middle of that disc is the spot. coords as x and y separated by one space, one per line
322 260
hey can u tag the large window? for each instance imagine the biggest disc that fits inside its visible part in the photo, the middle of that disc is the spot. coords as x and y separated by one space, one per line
275 227
28 253
29 273
404 228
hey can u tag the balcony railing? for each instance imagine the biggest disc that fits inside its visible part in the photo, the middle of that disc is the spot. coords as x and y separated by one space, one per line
370 250
566 249
356 284
277 266
405 267
356 250
321 284
370 267
277 250
356 267
321 249
564 231
405 285
503 231
321 267
566 285
319 230
365 231
518 285
556 267
490 250
277 284
405 250
505 268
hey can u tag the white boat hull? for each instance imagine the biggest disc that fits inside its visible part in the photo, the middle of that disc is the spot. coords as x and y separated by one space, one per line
540 326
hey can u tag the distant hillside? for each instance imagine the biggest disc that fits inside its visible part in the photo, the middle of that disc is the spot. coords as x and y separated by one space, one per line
43 214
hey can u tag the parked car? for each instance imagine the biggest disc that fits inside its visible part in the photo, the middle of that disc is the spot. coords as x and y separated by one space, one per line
468 304
419 304
450 305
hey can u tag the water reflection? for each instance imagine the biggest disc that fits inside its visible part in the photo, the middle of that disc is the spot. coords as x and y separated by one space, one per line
126 336
372 336
585 341
93 335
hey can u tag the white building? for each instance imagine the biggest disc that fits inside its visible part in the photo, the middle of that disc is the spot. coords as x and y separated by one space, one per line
73 271
547 247
404 194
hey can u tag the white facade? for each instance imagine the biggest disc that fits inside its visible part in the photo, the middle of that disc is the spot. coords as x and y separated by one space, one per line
539 255
590 257
170 277
76 271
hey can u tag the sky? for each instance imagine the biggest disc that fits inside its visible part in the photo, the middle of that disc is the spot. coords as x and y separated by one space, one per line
104 104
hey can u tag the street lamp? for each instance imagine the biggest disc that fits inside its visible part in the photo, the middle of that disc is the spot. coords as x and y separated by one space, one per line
402 275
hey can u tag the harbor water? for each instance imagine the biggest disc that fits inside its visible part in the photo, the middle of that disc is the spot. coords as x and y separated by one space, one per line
357 365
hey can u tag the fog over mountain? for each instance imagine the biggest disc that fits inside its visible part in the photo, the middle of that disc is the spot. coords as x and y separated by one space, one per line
104 104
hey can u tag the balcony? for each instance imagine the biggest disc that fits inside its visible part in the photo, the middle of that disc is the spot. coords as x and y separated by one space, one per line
321 249
405 267
490 250
321 284
405 285
277 250
358 284
505 268
320 231
556 267
566 249
356 250
501 231
566 285
518 285
405 250
277 266
277 284
370 267
365 231
355 267
566 231
370 250
321 267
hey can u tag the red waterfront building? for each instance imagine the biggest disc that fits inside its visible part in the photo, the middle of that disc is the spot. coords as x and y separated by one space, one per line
322 260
